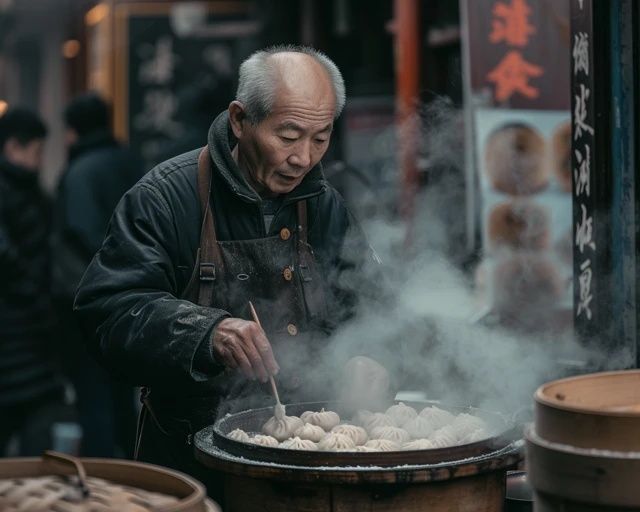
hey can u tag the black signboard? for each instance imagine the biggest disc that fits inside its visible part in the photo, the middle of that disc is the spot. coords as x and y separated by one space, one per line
156 68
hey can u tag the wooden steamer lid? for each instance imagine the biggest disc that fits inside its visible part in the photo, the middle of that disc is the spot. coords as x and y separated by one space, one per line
69 484
600 410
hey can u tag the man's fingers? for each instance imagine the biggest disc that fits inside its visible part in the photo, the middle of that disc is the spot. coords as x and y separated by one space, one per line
254 358
266 354
249 344
227 357
243 344
243 362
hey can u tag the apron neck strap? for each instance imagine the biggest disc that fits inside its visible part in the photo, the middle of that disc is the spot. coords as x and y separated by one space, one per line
209 258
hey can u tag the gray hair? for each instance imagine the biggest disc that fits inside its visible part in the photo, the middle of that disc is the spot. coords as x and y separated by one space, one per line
256 84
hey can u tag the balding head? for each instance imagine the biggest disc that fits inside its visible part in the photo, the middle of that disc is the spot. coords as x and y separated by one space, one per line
302 70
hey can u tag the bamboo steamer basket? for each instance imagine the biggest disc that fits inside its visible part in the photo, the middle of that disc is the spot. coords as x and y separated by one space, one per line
583 452
68 484
599 410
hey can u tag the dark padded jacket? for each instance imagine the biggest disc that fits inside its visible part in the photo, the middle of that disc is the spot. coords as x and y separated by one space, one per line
27 368
130 295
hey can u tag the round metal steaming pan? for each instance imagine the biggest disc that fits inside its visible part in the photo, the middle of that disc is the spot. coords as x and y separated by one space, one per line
216 450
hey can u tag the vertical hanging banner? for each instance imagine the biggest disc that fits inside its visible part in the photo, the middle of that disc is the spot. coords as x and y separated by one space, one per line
583 108
517 87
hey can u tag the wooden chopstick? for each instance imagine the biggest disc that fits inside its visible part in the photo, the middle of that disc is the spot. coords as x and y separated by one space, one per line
254 315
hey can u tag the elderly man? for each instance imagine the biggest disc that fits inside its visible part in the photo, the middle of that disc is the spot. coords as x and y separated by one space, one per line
248 218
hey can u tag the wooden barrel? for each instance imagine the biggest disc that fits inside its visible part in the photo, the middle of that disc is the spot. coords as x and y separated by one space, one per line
583 452
470 485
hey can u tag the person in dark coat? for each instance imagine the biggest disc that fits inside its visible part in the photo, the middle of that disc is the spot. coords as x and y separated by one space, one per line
100 170
249 217
31 389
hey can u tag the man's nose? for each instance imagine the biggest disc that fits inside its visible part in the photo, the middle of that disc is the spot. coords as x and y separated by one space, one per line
301 156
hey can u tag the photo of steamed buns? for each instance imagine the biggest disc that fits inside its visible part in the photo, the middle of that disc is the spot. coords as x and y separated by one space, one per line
515 160
519 224
561 156
525 289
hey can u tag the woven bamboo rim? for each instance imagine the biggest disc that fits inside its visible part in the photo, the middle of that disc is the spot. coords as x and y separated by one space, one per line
60 483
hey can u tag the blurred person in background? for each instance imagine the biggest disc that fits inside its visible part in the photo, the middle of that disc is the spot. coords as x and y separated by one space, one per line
100 170
31 387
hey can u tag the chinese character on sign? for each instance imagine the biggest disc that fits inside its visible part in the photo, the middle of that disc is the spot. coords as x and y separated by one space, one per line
512 76
584 231
157 116
158 62
581 176
581 53
584 280
511 23
580 113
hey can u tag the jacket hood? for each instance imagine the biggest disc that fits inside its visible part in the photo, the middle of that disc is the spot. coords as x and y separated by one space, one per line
221 141
91 141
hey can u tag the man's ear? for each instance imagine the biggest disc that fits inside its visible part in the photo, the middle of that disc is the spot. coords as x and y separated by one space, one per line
237 118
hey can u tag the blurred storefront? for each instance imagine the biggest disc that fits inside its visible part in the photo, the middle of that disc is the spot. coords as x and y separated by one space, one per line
170 66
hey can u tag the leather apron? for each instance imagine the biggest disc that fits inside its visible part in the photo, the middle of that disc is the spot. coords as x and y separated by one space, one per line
280 276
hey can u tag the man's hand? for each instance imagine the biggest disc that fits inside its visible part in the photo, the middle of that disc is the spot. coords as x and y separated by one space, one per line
243 344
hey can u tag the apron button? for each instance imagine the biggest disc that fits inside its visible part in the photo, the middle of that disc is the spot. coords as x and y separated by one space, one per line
287 273
285 234
292 329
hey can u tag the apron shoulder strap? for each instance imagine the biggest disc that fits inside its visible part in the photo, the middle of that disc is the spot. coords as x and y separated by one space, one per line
209 262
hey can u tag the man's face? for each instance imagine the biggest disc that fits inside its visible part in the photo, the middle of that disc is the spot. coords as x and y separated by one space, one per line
279 151
27 155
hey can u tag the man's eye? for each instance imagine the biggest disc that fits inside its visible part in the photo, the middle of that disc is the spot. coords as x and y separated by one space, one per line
321 141
288 139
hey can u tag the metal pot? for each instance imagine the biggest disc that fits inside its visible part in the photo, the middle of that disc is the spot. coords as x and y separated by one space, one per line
519 492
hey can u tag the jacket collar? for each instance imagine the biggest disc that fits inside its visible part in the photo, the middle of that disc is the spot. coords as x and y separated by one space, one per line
17 173
221 141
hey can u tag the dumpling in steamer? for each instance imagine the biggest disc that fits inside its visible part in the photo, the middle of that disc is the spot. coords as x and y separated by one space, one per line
401 413
382 445
311 432
419 427
358 434
261 440
239 435
444 437
361 417
295 443
475 436
360 449
395 434
465 423
438 417
378 419
418 444
282 428
333 442
325 419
